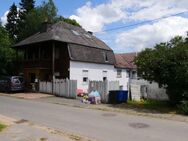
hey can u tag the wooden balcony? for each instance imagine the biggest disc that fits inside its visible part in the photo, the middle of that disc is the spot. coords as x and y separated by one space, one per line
47 64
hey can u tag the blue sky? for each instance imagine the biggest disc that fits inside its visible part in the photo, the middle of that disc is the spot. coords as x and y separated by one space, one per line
65 7
101 15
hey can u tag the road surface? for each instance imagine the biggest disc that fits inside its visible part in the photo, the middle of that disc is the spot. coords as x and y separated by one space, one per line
100 125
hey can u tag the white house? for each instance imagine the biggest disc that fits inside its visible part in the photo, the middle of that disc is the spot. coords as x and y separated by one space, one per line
66 51
83 72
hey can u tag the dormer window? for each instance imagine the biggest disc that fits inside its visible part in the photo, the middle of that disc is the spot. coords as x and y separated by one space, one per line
105 57
87 35
75 32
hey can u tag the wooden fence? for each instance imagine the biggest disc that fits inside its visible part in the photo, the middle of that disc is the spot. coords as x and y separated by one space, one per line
144 89
61 87
103 87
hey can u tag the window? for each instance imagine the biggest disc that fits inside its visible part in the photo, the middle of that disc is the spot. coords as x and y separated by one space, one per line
87 35
104 74
119 73
128 73
134 74
104 78
85 76
85 79
105 56
75 32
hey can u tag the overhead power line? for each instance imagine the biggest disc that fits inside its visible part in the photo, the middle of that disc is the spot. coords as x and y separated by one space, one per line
144 22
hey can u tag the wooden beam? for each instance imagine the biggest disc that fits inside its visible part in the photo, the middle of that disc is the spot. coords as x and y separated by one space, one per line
53 66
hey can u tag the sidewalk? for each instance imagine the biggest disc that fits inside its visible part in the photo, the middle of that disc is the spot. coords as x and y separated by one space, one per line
23 130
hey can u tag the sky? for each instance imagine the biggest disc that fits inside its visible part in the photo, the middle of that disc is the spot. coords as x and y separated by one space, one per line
100 16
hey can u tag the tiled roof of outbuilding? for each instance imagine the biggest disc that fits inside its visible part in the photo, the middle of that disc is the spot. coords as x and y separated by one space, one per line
125 60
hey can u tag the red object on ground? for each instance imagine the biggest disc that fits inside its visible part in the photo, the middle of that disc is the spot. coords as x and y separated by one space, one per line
79 92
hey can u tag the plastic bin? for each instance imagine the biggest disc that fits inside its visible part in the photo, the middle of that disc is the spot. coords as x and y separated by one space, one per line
117 96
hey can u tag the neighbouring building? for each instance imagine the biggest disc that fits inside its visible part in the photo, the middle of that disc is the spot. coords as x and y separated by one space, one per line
125 61
66 51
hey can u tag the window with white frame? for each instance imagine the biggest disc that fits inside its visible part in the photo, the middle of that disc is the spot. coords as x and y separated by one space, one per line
85 76
119 73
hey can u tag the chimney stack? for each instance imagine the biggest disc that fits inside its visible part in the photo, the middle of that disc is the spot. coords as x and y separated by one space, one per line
45 26
90 32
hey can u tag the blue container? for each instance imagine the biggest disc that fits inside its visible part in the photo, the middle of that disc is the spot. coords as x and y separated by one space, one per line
121 96
118 96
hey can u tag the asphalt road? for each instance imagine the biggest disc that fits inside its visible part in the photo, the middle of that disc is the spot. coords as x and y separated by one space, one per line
103 126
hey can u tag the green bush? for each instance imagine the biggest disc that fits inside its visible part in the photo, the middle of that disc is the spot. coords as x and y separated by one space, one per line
183 107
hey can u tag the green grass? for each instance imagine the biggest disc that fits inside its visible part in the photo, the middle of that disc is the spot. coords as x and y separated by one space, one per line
156 105
2 126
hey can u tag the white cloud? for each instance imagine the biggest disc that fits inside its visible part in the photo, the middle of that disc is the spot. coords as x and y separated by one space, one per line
94 18
4 18
147 36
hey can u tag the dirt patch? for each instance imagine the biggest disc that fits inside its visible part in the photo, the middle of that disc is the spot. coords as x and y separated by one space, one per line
69 135
21 121
72 136
27 95
43 139
138 125
6 120
109 115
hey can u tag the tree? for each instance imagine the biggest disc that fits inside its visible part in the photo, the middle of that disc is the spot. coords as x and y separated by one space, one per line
49 11
26 6
33 23
4 38
167 64
34 19
8 56
67 20
12 25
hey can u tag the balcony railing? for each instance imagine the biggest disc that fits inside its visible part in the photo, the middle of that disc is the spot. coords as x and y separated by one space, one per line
37 64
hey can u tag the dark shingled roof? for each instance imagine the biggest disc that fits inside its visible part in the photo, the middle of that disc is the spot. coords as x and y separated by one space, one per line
88 54
125 60
64 32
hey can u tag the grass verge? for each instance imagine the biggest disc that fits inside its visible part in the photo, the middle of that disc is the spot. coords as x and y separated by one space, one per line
150 105
2 126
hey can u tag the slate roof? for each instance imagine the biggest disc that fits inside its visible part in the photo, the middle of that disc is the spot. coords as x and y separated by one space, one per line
125 60
64 32
93 55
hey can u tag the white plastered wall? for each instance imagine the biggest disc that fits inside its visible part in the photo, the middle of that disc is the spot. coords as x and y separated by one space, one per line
95 72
